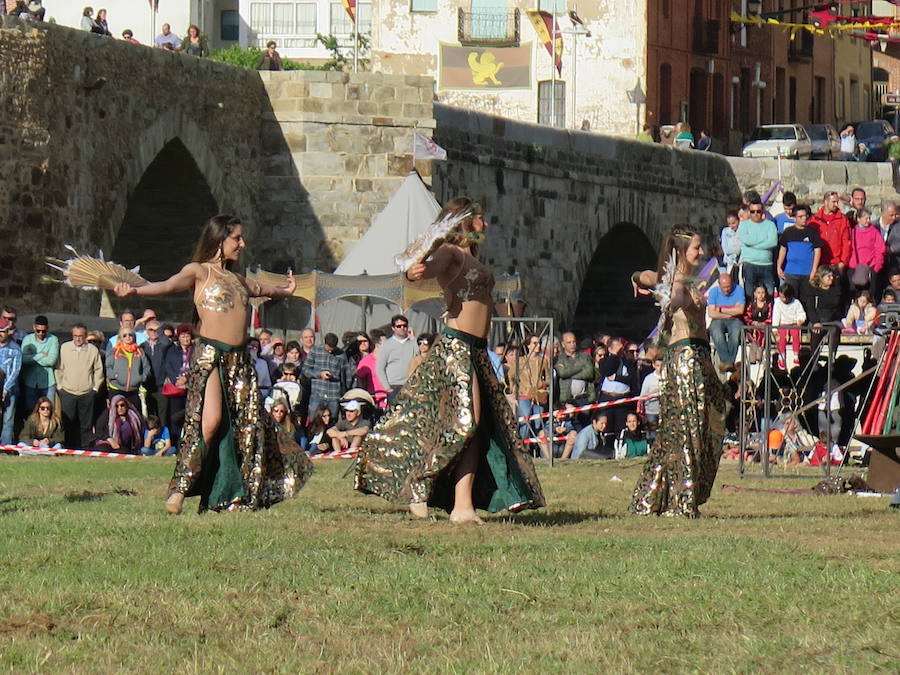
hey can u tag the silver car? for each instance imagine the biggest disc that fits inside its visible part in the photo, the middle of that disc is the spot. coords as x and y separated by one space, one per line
826 143
789 141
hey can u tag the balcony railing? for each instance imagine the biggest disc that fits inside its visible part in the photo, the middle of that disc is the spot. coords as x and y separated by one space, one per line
801 47
706 35
500 28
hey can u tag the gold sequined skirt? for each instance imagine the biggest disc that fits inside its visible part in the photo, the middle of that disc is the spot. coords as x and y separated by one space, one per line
682 464
248 466
411 454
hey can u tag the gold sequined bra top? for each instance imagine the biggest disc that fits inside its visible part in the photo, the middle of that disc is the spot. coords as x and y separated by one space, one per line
222 291
474 283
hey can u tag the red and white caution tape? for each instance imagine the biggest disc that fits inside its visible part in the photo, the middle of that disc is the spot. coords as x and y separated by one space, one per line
565 412
34 450
336 454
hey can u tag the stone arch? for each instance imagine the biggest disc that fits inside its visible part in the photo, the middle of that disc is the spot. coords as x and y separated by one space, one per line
606 302
162 222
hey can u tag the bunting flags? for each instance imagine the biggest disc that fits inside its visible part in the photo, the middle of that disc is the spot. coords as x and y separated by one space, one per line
350 7
545 25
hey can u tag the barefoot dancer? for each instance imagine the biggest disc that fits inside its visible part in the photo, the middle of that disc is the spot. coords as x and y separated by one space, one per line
683 461
228 453
450 441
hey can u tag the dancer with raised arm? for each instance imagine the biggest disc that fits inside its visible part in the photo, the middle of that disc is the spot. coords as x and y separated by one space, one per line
450 440
228 453
683 461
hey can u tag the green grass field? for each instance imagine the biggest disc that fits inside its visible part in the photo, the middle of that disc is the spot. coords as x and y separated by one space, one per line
95 578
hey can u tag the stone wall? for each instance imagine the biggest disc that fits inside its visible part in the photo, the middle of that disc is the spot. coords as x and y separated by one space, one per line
810 180
335 147
553 194
83 118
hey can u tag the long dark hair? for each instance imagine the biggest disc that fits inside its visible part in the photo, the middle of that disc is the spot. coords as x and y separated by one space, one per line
678 239
216 230
460 235
317 424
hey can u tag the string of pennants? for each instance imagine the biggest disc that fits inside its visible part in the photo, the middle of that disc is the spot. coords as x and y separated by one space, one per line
882 29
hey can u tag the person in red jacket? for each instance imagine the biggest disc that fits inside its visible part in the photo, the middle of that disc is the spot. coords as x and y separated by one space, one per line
834 229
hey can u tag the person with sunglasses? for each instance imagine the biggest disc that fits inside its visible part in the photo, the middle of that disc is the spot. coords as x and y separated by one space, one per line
759 239
120 428
450 440
42 427
127 367
40 352
394 357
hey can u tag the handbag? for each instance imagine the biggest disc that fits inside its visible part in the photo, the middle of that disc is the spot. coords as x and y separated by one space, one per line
170 390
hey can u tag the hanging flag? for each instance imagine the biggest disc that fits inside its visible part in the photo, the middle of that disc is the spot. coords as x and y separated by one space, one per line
350 6
425 148
545 25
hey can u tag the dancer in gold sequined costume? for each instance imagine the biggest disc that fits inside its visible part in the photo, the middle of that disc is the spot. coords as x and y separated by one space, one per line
229 453
682 464
450 441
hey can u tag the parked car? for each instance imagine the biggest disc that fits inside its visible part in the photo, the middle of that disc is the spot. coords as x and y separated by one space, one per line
826 142
874 135
779 140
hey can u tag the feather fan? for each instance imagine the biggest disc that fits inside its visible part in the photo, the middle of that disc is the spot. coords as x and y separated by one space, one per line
429 240
90 274
663 290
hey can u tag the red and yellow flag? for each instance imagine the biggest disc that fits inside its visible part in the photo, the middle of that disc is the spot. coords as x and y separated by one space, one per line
545 25
350 6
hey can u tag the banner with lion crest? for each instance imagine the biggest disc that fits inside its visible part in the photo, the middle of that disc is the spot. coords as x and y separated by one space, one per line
485 67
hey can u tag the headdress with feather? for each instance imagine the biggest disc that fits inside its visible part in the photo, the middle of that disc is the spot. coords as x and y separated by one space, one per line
428 242
90 274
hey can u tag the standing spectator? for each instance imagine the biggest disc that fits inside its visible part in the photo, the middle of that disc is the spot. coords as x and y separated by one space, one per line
286 388
270 59
167 39
42 427
529 377
366 371
128 36
79 377
87 20
759 238
277 355
787 312
731 243
394 357
326 368
857 201
704 143
799 253
265 342
646 135
848 143
574 369
867 251
120 428
834 229
423 342
155 347
617 381
177 367
684 139
10 367
893 153
650 387
127 368
127 320
194 44
261 366
307 340
823 308
786 218
11 315
101 24
293 354
725 307
758 316
891 232
40 352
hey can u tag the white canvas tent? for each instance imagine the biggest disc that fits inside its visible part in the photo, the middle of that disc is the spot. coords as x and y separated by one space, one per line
410 210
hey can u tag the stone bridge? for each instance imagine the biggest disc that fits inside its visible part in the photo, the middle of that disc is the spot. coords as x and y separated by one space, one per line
105 144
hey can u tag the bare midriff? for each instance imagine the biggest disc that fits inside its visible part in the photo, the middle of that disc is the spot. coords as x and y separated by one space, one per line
474 318
221 300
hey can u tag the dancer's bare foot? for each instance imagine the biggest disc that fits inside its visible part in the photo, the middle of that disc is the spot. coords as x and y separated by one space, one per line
419 509
175 503
463 517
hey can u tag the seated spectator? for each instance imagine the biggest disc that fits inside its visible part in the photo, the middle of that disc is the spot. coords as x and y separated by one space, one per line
167 39
317 431
787 312
823 308
286 388
861 316
157 440
348 433
120 428
725 308
423 342
101 25
819 455
42 427
867 251
33 10
650 387
631 441
128 36
270 59
194 44
87 20
284 423
889 297
595 441
565 426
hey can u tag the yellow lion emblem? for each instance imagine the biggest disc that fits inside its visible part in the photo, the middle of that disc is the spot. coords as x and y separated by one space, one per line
484 68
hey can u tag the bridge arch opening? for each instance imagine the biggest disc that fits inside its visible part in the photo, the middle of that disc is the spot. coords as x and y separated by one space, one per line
606 302
162 223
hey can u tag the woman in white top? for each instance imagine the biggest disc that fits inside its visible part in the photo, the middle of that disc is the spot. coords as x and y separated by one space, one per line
787 312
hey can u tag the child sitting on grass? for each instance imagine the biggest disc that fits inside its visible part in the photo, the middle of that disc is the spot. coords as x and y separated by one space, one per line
157 440
861 315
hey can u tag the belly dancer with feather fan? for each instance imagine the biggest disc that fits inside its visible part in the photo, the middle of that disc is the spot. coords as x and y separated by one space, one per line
229 453
682 464
450 440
